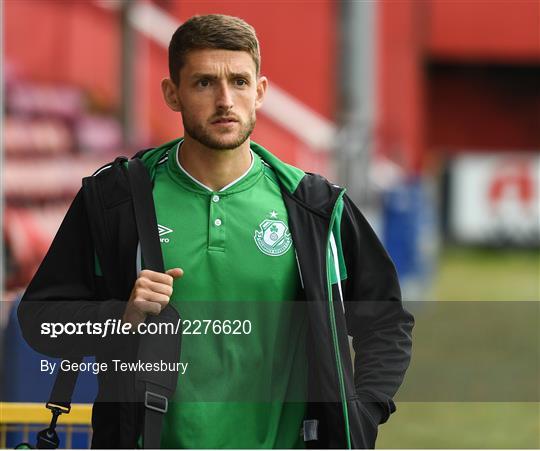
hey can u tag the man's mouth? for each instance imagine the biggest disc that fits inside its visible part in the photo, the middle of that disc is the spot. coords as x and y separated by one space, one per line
224 120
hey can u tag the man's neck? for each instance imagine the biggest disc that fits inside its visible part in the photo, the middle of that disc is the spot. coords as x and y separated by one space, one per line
214 168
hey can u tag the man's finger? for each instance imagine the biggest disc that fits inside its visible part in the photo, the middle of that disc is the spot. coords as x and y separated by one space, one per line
148 307
175 272
155 276
163 288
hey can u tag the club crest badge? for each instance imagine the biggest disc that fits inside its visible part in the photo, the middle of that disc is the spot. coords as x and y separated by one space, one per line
273 237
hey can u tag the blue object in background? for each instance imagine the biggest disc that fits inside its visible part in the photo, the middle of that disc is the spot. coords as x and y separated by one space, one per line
410 235
23 381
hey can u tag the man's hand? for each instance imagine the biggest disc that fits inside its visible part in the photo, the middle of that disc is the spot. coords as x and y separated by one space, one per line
150 295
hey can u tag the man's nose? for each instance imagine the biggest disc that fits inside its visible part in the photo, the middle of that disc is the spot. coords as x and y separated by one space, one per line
224 99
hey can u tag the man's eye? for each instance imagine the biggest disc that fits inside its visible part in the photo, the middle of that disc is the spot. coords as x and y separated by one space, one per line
240 82
204 83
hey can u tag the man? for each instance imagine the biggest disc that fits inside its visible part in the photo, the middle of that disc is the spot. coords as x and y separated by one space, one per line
245 237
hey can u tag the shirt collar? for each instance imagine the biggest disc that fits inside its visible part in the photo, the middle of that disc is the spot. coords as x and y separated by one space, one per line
180 174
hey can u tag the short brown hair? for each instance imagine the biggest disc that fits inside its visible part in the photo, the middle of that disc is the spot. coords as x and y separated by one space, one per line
212 31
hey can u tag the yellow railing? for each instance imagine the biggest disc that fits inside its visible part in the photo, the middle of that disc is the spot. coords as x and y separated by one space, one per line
29 418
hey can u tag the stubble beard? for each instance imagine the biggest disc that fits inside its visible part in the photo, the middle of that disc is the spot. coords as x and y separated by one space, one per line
201 133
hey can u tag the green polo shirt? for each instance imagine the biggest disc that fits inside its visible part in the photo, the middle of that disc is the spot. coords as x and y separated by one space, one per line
244 389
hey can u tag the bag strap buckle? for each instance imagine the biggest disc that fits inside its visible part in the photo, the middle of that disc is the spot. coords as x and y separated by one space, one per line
155 401
48 438
61 408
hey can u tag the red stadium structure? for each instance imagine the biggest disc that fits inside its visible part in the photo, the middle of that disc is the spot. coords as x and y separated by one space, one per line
451 79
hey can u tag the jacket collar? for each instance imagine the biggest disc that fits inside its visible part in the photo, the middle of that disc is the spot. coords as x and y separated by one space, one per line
310 190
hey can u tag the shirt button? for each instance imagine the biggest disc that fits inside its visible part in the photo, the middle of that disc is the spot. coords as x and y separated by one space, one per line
217 222
215 198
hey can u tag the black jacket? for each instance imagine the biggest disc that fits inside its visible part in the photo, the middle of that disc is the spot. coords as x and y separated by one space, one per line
349 405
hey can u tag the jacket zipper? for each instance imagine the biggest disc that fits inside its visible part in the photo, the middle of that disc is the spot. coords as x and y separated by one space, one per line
334 328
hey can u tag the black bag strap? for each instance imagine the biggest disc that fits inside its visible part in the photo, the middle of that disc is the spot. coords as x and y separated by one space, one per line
159 386
145 214
59 403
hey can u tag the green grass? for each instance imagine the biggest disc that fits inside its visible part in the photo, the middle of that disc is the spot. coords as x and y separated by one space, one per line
462 425
488 275
474 352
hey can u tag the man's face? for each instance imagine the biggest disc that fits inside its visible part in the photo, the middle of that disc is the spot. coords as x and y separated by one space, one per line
218 95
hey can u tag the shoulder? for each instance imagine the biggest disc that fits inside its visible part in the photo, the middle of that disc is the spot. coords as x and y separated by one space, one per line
108 185
108 168
318 193
150 157
307 189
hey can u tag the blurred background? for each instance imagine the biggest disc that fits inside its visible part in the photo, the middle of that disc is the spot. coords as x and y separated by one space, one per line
427 111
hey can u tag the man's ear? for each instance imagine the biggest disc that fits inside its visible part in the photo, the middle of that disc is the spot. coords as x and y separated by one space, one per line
262 85
170 94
